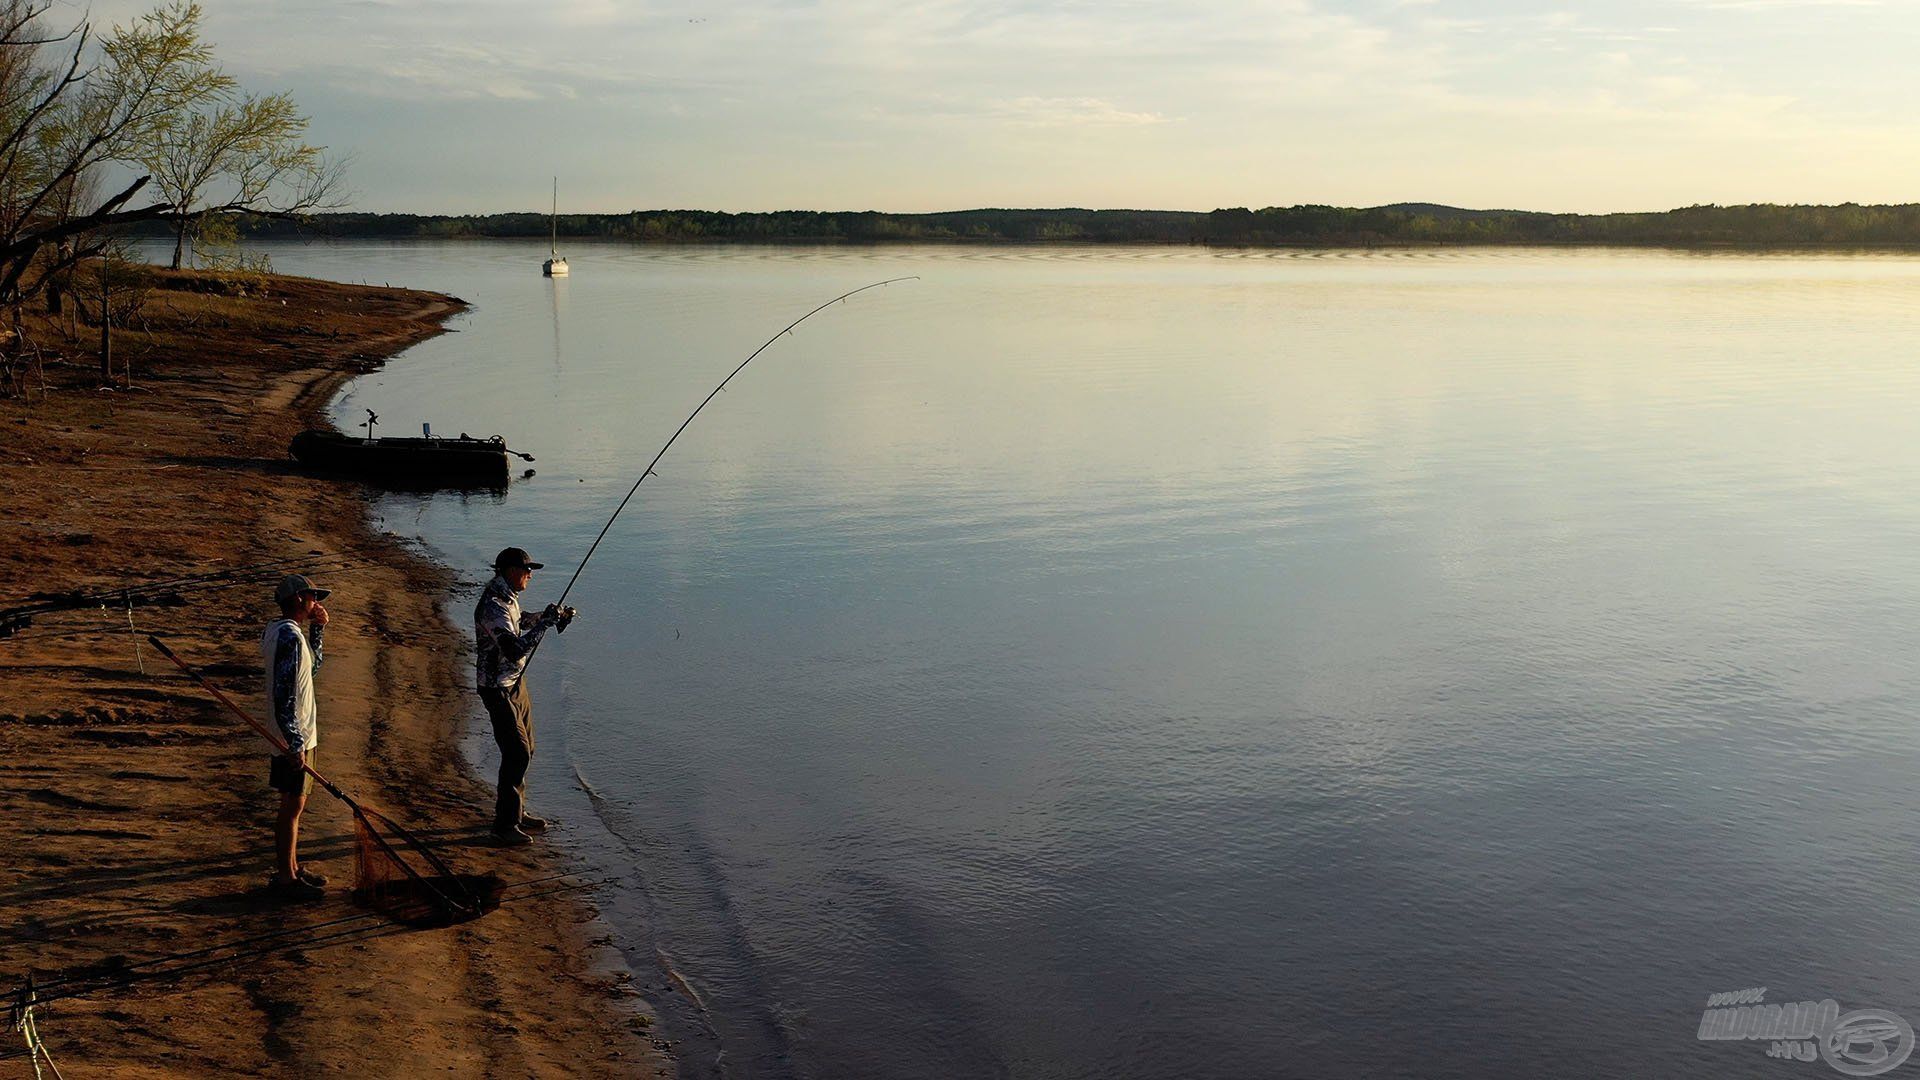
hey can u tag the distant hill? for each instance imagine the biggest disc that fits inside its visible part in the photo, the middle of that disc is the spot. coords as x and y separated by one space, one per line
1755 225
1438 211
784 226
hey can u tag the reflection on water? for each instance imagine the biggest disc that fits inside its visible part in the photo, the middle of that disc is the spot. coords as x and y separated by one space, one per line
1087 662
557 289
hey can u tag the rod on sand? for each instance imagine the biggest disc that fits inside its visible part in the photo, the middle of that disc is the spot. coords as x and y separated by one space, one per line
456 908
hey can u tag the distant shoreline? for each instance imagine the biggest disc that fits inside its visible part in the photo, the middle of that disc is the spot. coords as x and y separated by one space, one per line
1758 226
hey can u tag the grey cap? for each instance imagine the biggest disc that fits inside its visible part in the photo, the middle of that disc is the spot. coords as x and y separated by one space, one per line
294 584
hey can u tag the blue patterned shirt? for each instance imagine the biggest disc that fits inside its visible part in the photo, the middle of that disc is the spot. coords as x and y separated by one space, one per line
503 636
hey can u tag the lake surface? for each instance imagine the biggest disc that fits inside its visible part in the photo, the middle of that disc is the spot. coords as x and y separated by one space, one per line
1163 662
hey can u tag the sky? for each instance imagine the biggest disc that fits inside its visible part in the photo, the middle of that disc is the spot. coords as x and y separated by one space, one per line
474 106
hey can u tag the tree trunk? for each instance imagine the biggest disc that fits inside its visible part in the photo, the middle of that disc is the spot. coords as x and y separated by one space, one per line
106 329
57 283
179 241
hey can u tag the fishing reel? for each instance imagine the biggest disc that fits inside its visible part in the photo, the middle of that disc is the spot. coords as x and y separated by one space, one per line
559 617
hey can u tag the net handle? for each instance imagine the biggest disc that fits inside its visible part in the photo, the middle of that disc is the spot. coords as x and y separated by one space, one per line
470 905
273 738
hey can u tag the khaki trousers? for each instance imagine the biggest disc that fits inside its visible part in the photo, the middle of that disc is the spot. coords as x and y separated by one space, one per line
511 710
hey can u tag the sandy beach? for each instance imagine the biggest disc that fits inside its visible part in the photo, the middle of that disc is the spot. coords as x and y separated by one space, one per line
136 812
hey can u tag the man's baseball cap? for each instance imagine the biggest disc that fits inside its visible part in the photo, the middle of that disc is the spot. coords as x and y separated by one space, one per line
514 559
294 584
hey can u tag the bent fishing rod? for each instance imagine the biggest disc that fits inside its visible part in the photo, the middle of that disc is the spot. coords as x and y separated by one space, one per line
715 392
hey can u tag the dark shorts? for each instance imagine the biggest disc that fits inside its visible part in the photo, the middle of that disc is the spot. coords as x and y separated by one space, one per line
284 775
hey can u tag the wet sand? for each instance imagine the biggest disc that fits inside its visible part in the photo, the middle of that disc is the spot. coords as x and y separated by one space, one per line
135 811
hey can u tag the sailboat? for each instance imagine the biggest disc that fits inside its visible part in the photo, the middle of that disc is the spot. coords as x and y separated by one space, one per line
555 266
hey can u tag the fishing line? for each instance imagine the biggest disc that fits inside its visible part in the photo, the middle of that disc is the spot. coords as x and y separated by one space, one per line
269 566
121 974
258 569
338 937
17 619
264 566
262 569
248 948
252 944
648 471
214 579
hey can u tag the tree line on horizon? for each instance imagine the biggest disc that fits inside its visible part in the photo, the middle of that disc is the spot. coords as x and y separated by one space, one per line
1755 225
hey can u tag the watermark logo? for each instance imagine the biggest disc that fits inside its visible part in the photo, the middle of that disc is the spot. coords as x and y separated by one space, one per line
1865 1042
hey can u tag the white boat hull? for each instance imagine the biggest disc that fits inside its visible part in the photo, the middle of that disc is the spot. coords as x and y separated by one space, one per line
554 268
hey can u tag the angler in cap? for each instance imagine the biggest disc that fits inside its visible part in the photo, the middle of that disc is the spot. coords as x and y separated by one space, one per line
291 649
503 639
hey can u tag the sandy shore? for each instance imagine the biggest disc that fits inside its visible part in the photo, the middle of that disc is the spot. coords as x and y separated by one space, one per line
135 813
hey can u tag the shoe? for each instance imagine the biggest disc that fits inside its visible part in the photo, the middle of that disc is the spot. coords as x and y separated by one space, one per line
510 838
296 889
529 823
312 877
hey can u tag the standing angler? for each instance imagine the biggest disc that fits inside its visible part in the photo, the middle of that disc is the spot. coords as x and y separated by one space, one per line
503 639
290 646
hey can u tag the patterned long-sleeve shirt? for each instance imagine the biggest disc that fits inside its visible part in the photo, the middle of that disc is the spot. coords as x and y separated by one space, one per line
292 656
503 635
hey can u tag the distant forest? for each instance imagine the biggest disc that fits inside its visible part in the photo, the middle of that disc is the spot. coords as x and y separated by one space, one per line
1760 225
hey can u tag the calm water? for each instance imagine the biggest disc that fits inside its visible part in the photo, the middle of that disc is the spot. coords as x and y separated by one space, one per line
1085 663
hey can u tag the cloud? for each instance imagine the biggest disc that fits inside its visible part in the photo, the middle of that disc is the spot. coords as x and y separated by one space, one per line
881 103
1779 5
1071 112
446 73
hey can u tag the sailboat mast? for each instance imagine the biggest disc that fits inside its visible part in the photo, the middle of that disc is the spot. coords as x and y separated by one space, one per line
553 238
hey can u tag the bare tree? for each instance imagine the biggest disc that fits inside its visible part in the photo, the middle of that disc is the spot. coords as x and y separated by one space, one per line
79 190
245 155
67 109
124 281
